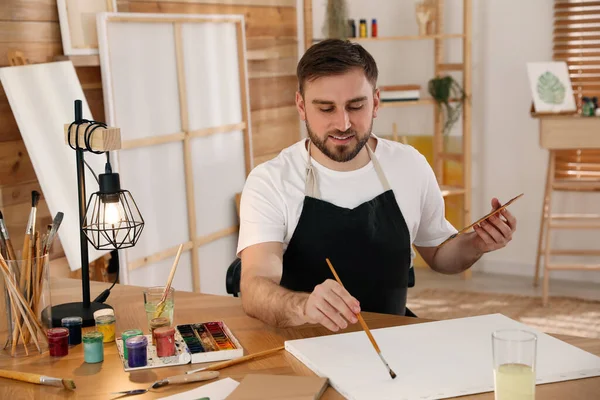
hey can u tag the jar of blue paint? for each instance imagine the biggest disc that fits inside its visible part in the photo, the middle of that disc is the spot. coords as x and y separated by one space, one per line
137 351
93 347
73 324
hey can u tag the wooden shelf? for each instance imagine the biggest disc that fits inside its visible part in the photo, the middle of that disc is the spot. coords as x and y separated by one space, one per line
407 37
420 102
81 61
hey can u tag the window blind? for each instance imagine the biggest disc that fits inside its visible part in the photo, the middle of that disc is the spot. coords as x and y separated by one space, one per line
576 40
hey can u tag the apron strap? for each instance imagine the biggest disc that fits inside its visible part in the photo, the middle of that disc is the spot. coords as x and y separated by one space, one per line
312 185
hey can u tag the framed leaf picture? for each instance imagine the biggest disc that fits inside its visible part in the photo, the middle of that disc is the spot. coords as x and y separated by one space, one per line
78 24
551 87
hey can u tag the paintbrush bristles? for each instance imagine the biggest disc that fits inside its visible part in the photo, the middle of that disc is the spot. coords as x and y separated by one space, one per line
363 324
35 198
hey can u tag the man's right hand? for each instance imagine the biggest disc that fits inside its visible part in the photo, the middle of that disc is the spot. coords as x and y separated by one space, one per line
332 306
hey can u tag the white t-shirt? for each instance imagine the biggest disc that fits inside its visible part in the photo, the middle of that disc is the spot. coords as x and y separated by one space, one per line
273 195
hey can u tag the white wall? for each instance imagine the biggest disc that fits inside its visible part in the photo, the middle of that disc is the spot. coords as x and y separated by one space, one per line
507 159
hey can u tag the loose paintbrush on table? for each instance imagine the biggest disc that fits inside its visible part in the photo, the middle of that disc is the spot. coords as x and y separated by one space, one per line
68 384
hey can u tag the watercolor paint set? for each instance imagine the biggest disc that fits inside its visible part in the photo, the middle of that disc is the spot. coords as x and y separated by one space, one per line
194 343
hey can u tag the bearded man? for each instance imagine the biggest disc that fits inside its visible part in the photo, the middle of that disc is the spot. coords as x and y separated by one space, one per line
352 197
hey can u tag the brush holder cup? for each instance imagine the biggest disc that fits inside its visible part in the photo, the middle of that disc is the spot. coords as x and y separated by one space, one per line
26 305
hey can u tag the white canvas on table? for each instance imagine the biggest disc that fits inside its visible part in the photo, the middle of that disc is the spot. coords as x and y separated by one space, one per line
551 87
433 360
42 98
166 78
77 20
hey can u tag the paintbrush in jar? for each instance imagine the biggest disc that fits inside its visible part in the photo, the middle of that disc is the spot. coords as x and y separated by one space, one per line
27 243
10 251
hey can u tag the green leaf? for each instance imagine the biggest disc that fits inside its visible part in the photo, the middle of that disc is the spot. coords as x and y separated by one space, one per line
550 88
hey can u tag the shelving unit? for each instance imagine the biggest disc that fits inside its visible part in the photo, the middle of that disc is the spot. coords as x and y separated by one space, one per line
459 194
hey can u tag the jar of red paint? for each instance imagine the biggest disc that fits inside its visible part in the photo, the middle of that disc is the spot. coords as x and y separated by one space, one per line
165 341
58 341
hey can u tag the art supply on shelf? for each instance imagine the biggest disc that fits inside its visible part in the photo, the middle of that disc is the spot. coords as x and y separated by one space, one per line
374 28
364 325
178 379
73 324
106 325
363 28
126 335
38 379
165 341
93 347
137 351
160 307
156 323
351 28
228 363
58 341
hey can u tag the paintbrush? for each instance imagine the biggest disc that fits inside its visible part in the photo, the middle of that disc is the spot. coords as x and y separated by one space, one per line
38 379
4 232
52 234
160 307
364 325
27 243
496 211
235 361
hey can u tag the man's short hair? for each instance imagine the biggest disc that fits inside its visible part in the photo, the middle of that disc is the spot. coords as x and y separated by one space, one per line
334 57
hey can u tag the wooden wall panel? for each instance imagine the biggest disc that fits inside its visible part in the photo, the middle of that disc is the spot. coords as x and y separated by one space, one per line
28 10
32 27
259 21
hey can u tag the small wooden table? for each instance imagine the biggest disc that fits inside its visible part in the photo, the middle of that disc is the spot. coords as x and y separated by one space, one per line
97 381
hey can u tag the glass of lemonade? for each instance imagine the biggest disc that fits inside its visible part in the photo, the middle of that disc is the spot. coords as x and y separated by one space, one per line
514 353
152 297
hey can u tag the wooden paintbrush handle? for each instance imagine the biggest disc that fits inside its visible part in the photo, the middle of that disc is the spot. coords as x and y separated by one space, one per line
20 376
197 377
366 329
240 360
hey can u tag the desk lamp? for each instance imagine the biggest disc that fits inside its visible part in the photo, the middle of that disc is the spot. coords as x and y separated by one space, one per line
111 219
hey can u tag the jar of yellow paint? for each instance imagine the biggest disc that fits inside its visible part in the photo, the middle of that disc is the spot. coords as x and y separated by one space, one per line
106 325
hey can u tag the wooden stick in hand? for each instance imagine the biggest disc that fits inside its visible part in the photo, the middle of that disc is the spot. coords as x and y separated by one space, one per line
364 325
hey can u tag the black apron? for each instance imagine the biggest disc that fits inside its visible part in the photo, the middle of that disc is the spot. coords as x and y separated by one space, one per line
369 247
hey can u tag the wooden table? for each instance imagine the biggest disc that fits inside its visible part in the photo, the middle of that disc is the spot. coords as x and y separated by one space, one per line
96 381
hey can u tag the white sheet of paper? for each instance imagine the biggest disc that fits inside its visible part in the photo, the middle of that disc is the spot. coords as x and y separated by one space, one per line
433 360
42 98
218 390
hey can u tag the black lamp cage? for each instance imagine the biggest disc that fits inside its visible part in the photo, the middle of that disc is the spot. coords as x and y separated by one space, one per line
112 219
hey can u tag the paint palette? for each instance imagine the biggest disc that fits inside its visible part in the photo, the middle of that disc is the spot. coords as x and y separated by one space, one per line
210 341
194 343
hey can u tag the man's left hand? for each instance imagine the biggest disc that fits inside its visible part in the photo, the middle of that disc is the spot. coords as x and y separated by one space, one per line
494 232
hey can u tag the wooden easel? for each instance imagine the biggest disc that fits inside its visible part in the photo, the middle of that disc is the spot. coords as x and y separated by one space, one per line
573 165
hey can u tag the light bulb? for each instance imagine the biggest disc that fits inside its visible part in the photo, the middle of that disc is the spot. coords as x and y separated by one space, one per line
112 216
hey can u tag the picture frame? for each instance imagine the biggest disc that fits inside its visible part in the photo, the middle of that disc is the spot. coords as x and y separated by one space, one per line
77 20
551 88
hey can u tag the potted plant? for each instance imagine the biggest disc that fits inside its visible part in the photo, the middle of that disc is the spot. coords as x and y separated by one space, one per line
445 90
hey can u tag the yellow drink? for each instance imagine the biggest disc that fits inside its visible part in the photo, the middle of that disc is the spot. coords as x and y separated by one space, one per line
514 382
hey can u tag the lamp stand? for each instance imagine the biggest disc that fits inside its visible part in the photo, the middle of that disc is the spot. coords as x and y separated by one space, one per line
84 309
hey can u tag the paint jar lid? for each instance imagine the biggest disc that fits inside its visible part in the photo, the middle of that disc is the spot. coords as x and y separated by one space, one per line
104 311
57 333
131 332
105 320
71 321
159 322
93 337
136 342
164 331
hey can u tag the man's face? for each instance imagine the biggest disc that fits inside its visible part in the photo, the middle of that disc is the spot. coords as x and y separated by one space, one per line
338 111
